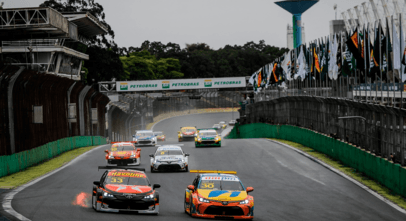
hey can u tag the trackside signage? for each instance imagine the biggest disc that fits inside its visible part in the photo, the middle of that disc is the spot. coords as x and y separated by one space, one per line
180 84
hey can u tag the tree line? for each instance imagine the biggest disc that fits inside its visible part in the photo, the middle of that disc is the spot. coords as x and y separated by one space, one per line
155 60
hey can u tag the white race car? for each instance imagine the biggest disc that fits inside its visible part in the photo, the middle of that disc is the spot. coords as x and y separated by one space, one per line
145 137
169 157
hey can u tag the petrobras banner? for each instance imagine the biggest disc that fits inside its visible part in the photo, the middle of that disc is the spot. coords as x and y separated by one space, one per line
180 84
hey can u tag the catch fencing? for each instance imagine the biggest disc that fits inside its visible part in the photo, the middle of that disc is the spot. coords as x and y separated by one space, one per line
375 128
387 173
38 108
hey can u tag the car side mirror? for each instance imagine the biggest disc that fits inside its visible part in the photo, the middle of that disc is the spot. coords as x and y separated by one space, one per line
138 149
191 187
186 154
97 183
151 155
106 151
156 186
250 189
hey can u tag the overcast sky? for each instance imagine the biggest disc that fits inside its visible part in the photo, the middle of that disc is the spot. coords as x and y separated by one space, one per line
214 22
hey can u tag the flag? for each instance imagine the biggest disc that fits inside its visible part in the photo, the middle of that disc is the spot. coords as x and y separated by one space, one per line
325 50
274 75
286 66
354 46
347 61
387 49
396 48
402 47
302 64
316 62
339 60
331 57
333 62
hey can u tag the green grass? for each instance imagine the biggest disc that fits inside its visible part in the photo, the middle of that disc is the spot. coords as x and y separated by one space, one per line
360 177
31 173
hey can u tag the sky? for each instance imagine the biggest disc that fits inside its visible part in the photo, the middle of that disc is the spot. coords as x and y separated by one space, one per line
214 22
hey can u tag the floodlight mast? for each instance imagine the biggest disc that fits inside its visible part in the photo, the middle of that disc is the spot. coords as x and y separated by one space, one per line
297 8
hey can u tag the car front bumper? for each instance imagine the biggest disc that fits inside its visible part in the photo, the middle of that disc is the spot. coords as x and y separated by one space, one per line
131 161
168 166
116 205
215 210
145 143
208 143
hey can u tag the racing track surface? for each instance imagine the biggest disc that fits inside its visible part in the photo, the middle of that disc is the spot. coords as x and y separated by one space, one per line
287 185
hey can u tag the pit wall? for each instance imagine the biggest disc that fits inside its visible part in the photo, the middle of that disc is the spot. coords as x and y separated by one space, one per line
391 175
20 161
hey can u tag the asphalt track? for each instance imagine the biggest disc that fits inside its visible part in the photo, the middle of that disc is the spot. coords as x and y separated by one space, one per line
287 186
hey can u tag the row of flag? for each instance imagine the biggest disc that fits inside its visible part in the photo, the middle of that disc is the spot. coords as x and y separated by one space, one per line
363 53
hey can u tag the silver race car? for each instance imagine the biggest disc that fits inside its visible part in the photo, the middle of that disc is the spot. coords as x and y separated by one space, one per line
169 157
145 137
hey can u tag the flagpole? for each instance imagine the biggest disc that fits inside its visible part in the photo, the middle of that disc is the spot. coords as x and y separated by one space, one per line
380 56
401 65
393 66
366 35
387 58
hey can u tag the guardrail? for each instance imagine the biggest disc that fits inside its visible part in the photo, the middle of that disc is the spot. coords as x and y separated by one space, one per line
387 173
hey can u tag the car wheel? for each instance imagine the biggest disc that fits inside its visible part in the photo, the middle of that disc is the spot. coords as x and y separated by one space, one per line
187 168
190 205
184 204
180 140
94 199
152 170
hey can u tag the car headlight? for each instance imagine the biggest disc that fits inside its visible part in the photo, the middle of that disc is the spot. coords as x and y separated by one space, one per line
111 157
216 139
150 196
201 199
105 194
244 202
181 135
195 135
199 139
132 156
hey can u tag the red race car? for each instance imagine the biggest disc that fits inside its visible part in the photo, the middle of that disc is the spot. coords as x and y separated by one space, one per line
218 195
125 188
122 154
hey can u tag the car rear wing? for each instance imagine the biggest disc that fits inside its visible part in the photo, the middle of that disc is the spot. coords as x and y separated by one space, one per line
123 142
213 171
206 129
121 167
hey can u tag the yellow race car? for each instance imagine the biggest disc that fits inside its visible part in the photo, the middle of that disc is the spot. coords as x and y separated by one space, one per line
187 133
223 124
218 195
207 137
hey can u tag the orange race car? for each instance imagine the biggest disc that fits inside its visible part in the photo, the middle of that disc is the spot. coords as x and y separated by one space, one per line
187 133
125 188
218 195
122 154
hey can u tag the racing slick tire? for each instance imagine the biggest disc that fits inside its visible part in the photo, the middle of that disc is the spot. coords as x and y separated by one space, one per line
180 140
152 170
157 201
184 204
187 168
190 204
94 199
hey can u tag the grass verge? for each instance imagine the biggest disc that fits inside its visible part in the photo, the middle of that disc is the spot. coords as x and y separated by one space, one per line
360 177
31 173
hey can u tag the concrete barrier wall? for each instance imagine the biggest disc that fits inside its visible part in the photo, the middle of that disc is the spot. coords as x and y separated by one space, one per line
385 172
17 162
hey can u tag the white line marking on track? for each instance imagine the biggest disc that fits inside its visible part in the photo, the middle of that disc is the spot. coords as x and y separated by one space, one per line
284 165
6 203
390 203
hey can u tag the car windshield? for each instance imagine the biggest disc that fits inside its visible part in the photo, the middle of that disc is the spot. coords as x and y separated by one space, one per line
188 130
158 133
145 134
168 152
122 148
208 133
221 185
127 178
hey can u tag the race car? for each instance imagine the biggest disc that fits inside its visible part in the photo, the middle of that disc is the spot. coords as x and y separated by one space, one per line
145 137
186 133
125 188
223 124
207 137
169 157
122 154
217 127
218 195
232 122
159 135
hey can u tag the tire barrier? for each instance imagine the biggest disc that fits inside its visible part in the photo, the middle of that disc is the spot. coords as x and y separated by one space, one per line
20 161
391 175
